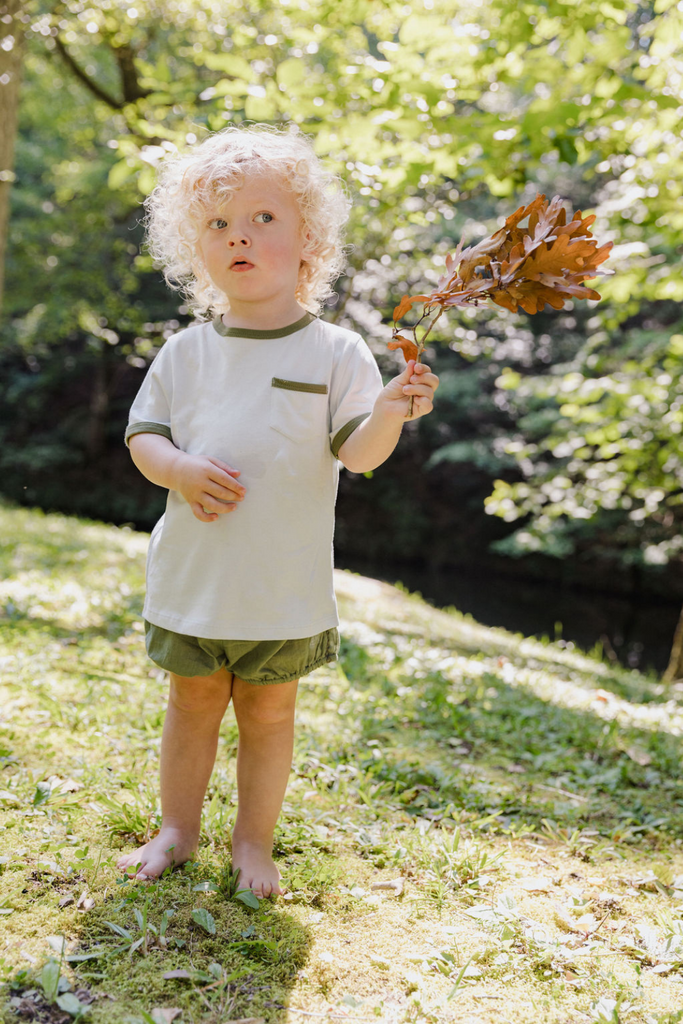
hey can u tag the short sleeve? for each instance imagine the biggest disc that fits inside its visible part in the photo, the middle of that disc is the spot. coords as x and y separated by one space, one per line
150 412
356 383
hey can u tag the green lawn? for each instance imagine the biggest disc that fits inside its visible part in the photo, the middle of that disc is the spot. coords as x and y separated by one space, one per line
478 828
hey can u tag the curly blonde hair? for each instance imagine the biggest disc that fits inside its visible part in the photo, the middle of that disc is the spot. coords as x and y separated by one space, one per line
192 180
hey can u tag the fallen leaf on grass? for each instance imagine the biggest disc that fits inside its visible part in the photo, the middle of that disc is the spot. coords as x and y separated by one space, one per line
67 785
660 879
165 1014
85 902
395 886
246 1020
180 973
638 755
65 901
535 884
461 746
586 923
71 1004
662 952
23 1006
357 891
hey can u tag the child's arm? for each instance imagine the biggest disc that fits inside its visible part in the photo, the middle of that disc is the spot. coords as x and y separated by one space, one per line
204 483
374 440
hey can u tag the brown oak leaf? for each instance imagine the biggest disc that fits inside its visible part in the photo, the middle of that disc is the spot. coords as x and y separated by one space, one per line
544 263
408 347
406 304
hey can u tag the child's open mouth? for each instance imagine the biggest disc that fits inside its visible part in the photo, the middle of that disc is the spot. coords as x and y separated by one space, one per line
241 265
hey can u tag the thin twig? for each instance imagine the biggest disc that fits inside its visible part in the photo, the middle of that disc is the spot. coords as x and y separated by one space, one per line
562 792
597 927
420 350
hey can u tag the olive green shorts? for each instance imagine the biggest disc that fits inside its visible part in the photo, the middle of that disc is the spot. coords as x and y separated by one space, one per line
254 661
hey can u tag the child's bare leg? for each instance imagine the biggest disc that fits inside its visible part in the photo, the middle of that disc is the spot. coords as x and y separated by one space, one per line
265 717
196 705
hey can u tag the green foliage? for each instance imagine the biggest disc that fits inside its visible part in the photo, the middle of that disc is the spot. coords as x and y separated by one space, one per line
439 119
609 447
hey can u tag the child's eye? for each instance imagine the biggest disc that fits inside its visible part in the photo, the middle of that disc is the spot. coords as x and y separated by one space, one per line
263 218
217 223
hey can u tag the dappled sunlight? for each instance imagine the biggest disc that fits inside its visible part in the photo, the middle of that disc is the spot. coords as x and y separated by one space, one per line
468 811
547 686
103 566
394 609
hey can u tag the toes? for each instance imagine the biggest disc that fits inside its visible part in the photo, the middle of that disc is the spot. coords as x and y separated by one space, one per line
143 873
133 867
130 860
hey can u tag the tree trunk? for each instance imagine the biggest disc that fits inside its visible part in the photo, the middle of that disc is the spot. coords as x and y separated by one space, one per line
11 49
674 669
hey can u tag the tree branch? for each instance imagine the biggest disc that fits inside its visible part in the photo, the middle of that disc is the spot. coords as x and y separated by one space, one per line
125 58
88 82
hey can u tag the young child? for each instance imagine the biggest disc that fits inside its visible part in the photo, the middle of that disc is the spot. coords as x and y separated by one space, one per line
243 419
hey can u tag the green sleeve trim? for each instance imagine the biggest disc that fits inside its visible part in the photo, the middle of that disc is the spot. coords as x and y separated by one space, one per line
297 385
147 427
344 433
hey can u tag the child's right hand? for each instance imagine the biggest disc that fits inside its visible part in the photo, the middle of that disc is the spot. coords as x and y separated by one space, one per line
208 485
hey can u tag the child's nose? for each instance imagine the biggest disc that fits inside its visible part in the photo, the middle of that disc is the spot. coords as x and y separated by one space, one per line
238 237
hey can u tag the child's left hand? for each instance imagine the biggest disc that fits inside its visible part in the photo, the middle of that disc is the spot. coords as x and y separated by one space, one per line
416 380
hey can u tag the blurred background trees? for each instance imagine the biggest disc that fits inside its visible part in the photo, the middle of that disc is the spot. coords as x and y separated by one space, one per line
442 116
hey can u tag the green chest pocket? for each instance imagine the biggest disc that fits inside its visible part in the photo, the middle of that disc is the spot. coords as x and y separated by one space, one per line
298 410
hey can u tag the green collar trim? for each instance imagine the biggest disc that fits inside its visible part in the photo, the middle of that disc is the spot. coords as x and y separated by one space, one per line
245 332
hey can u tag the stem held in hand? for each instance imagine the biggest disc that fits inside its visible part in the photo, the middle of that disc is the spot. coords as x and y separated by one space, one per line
420 350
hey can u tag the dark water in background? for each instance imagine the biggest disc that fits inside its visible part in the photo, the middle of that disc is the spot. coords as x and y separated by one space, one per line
637 633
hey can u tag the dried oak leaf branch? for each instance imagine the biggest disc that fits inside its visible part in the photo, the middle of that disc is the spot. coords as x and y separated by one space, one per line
546 262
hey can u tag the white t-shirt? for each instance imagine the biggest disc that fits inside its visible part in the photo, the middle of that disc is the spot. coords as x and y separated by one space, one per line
276 405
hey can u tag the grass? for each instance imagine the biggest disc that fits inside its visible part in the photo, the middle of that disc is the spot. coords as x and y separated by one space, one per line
479 827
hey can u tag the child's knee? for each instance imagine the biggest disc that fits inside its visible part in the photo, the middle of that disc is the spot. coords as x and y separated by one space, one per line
267 705
200 695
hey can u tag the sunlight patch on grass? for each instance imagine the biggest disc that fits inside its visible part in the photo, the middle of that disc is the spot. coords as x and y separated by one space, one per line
469 833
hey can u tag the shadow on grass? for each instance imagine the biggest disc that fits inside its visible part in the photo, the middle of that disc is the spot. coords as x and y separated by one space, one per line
226 961
175 944
484 747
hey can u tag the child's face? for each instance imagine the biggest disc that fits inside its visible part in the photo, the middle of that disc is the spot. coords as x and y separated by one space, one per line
252 246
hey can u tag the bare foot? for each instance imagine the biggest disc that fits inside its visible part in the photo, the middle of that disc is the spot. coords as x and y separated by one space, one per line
258 870
168 849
